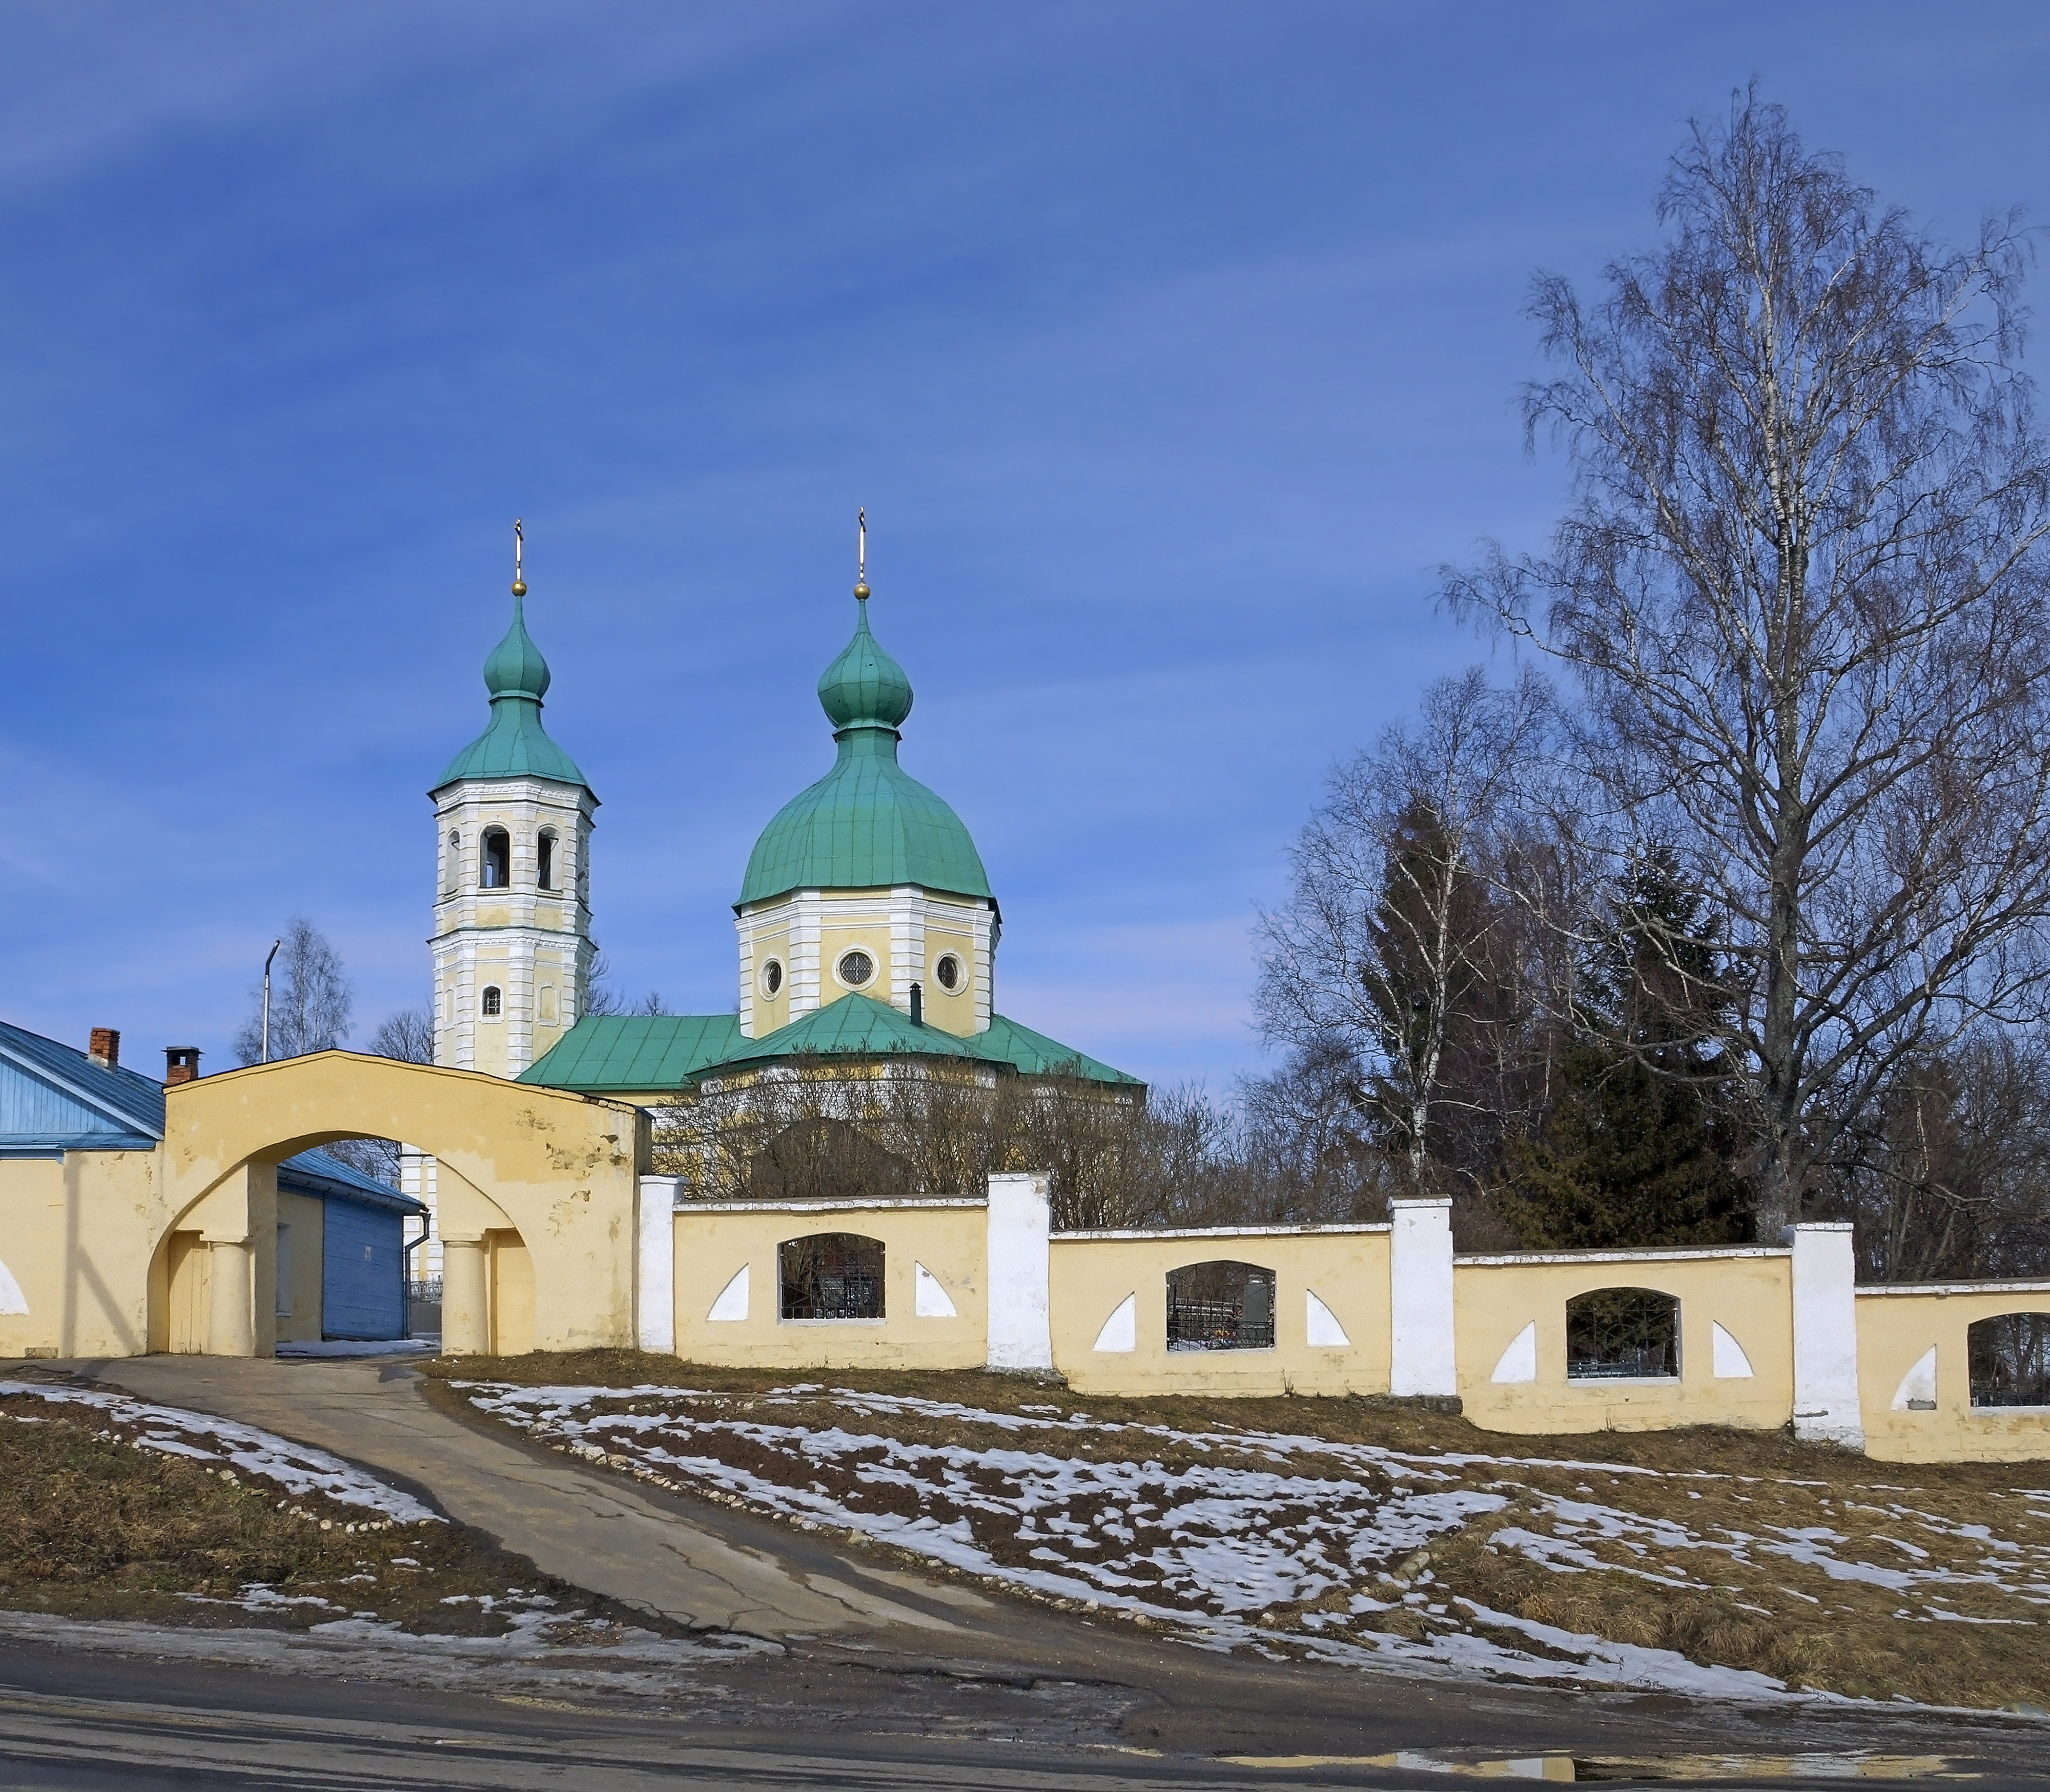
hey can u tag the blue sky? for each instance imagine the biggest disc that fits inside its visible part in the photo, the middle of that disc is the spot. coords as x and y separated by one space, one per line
1170 347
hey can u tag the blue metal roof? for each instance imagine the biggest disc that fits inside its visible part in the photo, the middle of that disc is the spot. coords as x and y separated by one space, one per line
320 1174
53 1097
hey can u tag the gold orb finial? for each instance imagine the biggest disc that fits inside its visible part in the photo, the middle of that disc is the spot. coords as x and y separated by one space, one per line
861 554
519 555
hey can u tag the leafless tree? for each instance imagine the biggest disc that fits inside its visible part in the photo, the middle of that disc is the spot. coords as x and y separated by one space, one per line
311 999
1391 944
1803 585
407 1035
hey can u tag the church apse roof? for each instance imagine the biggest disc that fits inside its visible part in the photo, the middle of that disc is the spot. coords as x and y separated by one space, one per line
653 1056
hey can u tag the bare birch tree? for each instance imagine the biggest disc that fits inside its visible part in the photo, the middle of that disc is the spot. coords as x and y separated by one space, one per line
1803 583
1387 944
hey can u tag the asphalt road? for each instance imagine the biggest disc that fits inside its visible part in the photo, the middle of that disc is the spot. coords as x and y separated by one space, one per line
863 1675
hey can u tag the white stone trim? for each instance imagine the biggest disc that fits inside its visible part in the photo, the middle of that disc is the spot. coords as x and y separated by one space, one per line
1711 1254
1021 1332
685 1206
655 1279
1224 1232
1825 1377
1871 1290
1422 1359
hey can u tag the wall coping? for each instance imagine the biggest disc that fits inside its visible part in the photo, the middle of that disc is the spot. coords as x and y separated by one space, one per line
1865 1288
684 1206
1227 1231
1719 1254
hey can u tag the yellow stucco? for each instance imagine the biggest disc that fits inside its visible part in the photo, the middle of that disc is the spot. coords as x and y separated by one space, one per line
1749 1292
79 1238
713 1245
1894 1331
1346 1268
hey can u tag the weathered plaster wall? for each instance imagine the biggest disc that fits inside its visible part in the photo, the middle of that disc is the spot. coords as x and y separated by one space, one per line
1911 1350
300 1267
1510 1313
77 1236
1093 1275
726 1263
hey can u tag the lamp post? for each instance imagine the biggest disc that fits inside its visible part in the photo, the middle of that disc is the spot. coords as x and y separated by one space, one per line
271 954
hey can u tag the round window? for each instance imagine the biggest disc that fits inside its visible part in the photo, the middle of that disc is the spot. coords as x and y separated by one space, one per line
947 974
772 977
856 968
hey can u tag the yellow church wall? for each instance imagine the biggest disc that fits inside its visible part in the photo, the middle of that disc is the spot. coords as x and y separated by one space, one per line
837 938
714 1243
298 1280
1748 1291
1897 1327
1090 1275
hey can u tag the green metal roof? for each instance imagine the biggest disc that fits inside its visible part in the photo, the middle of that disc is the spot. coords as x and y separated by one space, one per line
867 824
635 1052
641 1055
515 744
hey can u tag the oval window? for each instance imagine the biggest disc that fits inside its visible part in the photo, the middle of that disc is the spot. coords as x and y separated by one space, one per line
772 977
947 973
856 968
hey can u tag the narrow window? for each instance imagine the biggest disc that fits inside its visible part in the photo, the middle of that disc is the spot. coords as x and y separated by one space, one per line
1220 1306
497 860
545 858
1630 1334
450 864
492 1001
547 1004
830 1275
2009 1357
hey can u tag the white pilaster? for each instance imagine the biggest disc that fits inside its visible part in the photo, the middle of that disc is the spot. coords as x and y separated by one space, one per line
1825 1377
655 1265
1421 1355
1021 1331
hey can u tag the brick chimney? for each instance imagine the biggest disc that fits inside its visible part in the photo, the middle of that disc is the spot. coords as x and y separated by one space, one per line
105 1048
181 1064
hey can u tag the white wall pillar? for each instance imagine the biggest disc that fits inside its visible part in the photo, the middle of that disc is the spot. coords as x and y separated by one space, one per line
1021 1224
1421 1360
465 1298
1826 1377
655 1265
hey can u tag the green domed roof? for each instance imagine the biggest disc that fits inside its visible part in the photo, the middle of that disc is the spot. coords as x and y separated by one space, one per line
515 744
867 824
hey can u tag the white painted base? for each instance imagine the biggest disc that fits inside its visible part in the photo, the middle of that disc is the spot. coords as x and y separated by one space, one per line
1021 1224
655 1279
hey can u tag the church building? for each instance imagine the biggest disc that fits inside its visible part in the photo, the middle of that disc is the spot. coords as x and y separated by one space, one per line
866 926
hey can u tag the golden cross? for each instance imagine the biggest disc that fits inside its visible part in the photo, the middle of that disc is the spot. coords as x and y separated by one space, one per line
861 553
519 548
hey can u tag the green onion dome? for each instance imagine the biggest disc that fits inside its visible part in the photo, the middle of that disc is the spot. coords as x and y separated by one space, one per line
867 824
515 744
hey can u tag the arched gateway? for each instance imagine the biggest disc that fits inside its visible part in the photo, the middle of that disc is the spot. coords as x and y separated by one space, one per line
537 1193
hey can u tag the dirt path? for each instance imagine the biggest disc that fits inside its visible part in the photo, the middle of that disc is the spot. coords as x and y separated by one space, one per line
594 1531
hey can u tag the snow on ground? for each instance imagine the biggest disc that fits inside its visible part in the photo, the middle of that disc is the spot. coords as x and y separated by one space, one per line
1232 1538
294 1469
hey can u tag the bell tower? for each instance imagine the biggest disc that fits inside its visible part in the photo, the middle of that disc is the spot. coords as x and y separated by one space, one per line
512 820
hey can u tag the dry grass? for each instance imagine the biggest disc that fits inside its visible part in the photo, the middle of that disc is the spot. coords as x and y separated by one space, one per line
1710 1558
93 1526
